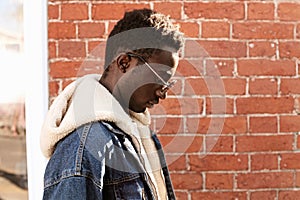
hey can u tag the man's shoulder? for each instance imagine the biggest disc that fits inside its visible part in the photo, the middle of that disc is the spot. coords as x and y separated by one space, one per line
93 133
99 129
78 153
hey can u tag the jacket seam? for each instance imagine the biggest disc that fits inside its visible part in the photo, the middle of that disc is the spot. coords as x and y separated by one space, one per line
70 176
79 155
122 180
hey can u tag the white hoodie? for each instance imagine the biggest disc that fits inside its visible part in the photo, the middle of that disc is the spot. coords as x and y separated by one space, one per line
86 100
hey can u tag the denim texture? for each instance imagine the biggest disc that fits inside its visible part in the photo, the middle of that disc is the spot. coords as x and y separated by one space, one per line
99 161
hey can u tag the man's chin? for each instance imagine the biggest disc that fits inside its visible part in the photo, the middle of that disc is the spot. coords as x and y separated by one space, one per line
138 110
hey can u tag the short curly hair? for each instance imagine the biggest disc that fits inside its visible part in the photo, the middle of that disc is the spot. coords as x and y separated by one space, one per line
145 32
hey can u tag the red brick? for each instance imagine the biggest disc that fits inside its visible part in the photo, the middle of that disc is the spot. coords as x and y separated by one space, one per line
74 11
193 125
70 49
53 88
53 11
189 29
215 29
219 144
217 125
289 49
194 50
218 162
195 86
290 161
91 67
181 195
52 50
265 180
262 30
263 86
187 180
64 69
114 11
271 105
91 30
263 125
265 195
290 86
220 49
288 195
179 106
188 67
173 9
214 85
289 11
262 49
219 67
176 162
58 30
214 10
216 195
234 86
297 184
217 181
264 162
298 31
263 67
219 106
169 125
96 49
264 143
289 123
261 11
181 144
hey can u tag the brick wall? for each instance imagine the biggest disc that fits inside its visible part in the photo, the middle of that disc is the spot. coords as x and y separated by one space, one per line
234 115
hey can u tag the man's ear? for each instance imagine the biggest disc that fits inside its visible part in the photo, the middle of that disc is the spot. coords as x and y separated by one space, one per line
123 62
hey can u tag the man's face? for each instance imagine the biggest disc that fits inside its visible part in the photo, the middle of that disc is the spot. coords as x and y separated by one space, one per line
148 85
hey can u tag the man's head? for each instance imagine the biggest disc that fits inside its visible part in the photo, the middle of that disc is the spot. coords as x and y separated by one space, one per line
141 57
142 31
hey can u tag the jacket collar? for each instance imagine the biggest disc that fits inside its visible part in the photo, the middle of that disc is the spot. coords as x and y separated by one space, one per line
85 100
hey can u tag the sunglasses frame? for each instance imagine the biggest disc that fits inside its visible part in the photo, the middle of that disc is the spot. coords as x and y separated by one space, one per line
166 85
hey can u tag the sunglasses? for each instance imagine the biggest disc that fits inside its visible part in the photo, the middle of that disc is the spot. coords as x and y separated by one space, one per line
166 85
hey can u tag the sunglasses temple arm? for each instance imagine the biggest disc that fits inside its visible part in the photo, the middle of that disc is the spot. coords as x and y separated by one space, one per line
164 82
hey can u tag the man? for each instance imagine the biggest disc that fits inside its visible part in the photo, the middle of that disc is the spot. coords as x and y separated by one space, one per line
96 132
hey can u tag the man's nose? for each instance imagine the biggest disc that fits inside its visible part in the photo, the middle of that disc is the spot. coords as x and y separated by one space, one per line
161 93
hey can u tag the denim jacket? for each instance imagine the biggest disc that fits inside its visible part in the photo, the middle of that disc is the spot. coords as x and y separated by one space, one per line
99 161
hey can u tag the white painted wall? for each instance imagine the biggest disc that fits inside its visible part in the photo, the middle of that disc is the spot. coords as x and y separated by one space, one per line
36 56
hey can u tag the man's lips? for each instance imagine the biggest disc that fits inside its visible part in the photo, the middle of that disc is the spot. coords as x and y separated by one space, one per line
150 104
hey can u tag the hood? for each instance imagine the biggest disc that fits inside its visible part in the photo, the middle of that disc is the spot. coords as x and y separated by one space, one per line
84 100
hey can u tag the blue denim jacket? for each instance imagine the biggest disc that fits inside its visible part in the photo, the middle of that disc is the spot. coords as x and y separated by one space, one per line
98 161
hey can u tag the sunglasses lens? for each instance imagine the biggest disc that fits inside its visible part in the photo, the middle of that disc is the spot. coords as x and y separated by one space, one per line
168 86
